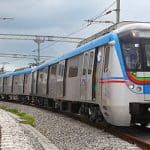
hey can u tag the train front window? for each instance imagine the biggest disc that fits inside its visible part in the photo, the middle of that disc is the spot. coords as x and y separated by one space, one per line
131 55
135 47
147 55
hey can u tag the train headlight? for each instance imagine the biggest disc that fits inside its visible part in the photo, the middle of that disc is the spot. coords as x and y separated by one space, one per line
135 88
131 86
138 89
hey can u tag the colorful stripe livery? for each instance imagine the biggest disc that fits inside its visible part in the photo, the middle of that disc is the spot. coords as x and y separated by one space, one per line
138 80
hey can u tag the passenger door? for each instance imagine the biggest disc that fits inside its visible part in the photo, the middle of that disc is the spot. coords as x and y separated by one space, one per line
42 82
52 82
34 83
99 73
60 79
87 76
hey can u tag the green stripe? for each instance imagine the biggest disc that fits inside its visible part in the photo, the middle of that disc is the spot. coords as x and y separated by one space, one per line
141 78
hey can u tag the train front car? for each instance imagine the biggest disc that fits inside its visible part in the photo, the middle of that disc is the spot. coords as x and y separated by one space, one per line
135 47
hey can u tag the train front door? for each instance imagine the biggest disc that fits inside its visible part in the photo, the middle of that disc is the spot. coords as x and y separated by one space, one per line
86 77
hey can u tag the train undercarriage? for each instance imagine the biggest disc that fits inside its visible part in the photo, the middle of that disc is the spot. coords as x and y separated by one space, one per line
86 110
140 113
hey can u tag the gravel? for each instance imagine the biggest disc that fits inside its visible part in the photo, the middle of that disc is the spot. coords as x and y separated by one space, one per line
69 134
14 136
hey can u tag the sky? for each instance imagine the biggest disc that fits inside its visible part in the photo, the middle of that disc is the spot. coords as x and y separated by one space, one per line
59 18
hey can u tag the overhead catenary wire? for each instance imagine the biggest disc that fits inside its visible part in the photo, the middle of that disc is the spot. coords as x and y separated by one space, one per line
23 55
103 13
16 57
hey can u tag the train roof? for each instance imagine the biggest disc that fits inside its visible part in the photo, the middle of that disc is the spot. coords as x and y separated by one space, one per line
116 28
100 41
134 26
100 38
27 71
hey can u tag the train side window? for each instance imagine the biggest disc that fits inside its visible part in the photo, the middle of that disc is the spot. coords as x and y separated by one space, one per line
41 77
85 64
26 79
107 51
61 70
53 71
34 77
5 82
91 60
15 80
73 67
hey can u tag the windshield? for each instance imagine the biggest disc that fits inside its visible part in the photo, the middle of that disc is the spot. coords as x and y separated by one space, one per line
131 55
136 51
146 47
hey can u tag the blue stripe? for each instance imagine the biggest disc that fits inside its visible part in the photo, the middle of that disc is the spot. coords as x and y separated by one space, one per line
20 72
91 45
119 53
146 89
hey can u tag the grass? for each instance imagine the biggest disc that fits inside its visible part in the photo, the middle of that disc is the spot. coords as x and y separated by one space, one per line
27 119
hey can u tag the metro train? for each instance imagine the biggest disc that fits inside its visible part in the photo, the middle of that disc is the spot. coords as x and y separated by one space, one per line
105 78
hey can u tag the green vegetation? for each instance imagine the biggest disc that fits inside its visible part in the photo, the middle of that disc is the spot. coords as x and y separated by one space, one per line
27 119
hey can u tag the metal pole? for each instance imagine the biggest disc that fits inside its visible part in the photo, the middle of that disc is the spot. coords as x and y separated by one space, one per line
3 66
117 11
38 59
2 69
38 41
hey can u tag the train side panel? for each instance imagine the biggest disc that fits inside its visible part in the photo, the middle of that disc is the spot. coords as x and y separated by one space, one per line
8 85
18 82
27 84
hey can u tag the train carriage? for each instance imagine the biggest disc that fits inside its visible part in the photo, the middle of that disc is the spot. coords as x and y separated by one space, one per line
14 84
105 77
20 83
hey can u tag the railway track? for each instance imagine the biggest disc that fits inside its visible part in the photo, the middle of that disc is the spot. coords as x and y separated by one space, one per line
135 135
